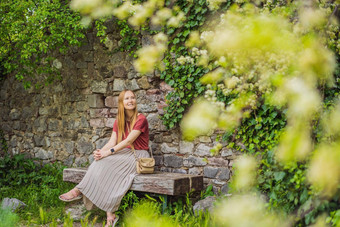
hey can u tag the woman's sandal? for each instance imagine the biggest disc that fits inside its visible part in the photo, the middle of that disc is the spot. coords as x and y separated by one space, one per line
74 194
112 222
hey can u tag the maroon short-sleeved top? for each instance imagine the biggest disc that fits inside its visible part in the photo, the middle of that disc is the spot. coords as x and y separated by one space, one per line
142 141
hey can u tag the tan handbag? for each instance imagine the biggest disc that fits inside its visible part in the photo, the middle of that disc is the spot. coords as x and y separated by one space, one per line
144 165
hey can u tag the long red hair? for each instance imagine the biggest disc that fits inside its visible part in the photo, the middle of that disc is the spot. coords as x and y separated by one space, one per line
121 119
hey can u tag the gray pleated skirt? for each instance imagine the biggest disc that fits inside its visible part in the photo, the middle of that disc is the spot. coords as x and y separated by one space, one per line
108 180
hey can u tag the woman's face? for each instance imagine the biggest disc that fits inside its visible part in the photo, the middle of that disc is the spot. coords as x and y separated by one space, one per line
129 101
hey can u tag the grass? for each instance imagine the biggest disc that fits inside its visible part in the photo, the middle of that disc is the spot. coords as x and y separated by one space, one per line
39 186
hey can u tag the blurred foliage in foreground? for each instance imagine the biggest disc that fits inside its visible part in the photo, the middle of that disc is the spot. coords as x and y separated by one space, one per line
272 83
269 74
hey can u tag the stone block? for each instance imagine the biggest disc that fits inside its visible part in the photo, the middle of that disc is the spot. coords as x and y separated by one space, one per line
186 147
132 85
84 146
57 64
28 112
39 140
88 56
40 125
101 142
224 174
105 71
119 85
14 114
141 96
147 108
54 125
153 92
42 154
167 150
218 182
155 149
204 205
225 189
81 106
226 152
99 87
147 40
13 141
173 161
97 123
90 69
111 101
204 139
81 65
12 204
231 162
95 101
84 123
195 171
109 122
91 158
167 139
119 71
100 113
143 83
165 87
69 160
203 150
69 147
217 161
155 122
182 171
158 160
158 138
210 172
43 111
80 161
94 138
117 58
160 107
16 125
194 161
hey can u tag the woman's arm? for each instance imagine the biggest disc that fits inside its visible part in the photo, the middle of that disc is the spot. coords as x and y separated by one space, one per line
127 142
112 142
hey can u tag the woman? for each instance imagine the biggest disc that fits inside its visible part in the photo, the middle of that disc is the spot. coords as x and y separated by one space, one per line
110 176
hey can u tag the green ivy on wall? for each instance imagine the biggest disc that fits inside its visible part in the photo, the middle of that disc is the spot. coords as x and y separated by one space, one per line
30 31
184 79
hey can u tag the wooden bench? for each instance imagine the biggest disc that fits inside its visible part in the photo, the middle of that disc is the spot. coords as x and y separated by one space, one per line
161 183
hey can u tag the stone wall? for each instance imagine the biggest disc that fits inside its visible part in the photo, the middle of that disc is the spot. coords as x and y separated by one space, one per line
67 120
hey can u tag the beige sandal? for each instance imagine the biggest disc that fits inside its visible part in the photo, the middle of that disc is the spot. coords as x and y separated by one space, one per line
112 222
74 194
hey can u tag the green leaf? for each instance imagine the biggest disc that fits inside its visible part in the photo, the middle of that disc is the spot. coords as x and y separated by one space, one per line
180 110
279 175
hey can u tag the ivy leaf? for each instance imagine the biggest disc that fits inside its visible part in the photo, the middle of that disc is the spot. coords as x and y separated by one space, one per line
273 114
186 33
176 40
279 175
180 110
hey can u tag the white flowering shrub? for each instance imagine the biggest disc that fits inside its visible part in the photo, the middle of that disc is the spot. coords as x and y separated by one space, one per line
280 53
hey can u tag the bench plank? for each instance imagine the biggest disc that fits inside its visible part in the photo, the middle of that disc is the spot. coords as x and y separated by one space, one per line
158 182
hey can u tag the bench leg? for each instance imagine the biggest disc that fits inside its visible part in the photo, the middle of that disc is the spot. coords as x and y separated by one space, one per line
165 202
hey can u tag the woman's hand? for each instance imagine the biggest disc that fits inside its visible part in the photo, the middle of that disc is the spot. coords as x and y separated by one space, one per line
99 154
